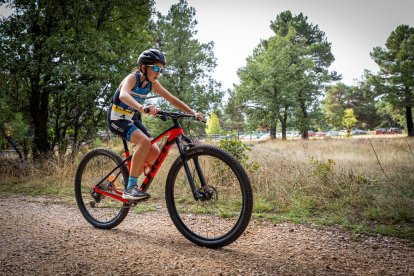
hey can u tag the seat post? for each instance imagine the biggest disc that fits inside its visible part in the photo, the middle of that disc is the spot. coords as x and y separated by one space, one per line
127 155
125 145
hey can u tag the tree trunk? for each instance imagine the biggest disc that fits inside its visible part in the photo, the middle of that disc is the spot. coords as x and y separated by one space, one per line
305 126
75 143
13 144
273 126
39 95
283 122
409 118
26 148
39 104
57 118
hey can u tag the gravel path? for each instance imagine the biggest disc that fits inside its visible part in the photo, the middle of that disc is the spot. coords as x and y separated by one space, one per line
39 236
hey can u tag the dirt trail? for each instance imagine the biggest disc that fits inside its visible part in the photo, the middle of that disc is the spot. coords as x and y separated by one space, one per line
39 236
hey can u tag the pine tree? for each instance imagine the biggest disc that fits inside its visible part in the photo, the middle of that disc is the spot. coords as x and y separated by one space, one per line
397 71
189 62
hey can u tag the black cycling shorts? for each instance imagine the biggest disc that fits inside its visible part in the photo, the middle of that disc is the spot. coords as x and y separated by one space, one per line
125 128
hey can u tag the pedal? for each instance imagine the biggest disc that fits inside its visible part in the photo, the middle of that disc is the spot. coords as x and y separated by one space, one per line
136 201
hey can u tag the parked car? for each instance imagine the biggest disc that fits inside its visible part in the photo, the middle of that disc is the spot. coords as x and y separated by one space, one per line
394 130
295 134
359 132
343 132
311 133
265 136
332 133
380 131
320 134
259 134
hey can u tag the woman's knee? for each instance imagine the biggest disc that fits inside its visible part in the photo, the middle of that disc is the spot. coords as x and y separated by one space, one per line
140 139
155 149
145 142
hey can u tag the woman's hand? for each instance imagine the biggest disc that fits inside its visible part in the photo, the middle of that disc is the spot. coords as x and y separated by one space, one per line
199 116
150 109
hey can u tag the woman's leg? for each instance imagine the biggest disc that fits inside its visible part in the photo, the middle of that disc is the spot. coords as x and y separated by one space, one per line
152 155
143 145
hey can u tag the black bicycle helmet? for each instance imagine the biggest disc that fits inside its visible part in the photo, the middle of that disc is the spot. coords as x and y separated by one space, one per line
151 56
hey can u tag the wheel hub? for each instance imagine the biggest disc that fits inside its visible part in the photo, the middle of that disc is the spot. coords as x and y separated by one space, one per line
209 193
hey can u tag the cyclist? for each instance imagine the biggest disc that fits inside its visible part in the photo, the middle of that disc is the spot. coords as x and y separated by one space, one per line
123 119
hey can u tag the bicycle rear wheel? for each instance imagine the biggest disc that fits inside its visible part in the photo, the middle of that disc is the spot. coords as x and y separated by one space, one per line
225 212
99 210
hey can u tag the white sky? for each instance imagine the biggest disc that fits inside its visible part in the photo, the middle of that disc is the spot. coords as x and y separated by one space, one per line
354 28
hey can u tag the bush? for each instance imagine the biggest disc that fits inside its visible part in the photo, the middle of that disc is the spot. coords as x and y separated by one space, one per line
240 151
236 147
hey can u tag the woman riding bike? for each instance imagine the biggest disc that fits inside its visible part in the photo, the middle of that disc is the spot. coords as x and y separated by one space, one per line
123 120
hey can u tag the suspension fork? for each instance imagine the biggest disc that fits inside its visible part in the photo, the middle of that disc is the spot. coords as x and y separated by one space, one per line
196 193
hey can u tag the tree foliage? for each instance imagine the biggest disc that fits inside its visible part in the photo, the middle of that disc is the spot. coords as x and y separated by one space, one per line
233 117
62 60
189 61
285 75
349 120
361 98
213 124
396 76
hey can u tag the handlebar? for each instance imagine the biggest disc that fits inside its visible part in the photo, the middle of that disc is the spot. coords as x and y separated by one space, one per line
165 115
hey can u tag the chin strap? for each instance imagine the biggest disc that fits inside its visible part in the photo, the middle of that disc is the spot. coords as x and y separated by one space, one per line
145 74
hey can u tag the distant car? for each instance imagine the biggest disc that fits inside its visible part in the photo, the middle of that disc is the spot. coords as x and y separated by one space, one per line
394 130
258 135
359 132
332 133
311 133
320 134
245 136
265 136
380 131
343 132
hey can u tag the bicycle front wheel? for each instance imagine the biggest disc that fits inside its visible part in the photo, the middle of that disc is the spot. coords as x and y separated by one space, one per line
222 215
99 210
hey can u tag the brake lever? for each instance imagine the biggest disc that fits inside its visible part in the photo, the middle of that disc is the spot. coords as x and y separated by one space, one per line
162 117
203 121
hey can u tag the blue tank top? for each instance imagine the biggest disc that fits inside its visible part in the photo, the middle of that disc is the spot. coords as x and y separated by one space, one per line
138 93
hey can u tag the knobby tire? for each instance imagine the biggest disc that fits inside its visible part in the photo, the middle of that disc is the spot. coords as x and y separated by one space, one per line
95 165
221 220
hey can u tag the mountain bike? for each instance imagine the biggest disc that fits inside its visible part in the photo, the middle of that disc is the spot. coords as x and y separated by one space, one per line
208 193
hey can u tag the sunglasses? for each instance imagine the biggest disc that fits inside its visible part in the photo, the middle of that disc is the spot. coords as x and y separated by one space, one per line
156 68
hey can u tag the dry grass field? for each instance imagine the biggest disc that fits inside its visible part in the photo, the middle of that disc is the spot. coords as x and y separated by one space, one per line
363 184
366 185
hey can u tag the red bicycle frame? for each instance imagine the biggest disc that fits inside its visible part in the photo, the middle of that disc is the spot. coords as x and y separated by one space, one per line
173 134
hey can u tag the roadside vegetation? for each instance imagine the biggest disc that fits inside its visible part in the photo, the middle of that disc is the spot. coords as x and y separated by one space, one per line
341 183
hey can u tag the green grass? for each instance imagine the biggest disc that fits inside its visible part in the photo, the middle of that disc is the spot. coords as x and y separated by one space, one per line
37 188
144 208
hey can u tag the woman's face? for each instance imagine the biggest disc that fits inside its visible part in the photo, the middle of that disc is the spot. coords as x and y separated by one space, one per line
154 71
